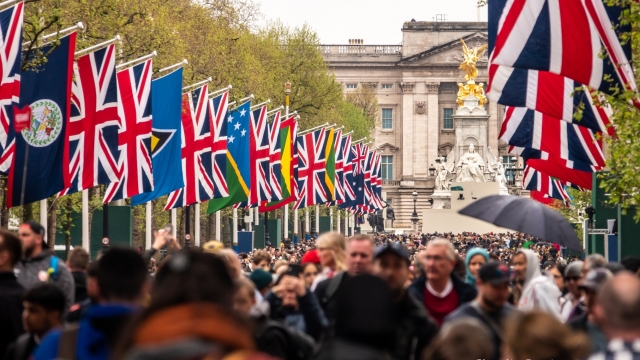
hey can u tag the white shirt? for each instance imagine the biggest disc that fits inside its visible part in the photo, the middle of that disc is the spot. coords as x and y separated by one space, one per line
446 291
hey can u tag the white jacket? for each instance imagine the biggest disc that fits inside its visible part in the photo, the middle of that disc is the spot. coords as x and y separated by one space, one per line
539 291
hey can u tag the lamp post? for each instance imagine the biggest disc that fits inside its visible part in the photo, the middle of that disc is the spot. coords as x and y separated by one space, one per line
432 170
285 210
414 216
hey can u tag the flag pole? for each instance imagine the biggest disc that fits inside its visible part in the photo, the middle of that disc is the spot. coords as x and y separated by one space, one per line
174 222
261 104
189 87
330 218
240 101
234 231
196 231
313 129
78 25
187 226
98 46
287 92
218 237
317 220
43 219
307 225
229 87
147 244
146 57
171 67
10 2
338 221
86 243
269 113
349 133
358 141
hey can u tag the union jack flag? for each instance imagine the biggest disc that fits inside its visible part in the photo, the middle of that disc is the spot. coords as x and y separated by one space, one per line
91 149
219 107
347 172
563 37
548 93
377 181
531 129
197 162
311 169
275 165
356 178
11 39
539 181
134 137
574 172
260 191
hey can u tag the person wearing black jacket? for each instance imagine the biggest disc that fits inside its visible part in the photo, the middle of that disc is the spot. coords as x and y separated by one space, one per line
11 292
415 328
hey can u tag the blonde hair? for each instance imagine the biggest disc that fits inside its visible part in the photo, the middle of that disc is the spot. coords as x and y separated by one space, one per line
539 335
451 251
338 245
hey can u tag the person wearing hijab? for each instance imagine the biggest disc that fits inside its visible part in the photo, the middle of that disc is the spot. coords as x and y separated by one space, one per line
476 257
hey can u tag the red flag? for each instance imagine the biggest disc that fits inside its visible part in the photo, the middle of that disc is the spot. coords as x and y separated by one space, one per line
21 118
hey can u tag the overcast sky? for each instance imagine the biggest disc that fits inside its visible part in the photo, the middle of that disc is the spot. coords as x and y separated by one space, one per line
375 21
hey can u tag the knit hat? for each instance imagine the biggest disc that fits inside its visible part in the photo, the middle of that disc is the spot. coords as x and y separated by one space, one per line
261 278
310 257
212 247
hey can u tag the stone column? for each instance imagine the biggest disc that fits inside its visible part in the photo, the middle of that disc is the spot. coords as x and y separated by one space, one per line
420 130
493 127
433 123
407 134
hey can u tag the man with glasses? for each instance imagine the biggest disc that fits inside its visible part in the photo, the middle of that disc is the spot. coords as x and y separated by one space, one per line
572 280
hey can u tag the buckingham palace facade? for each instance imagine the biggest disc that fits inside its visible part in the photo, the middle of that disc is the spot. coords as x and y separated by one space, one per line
416 87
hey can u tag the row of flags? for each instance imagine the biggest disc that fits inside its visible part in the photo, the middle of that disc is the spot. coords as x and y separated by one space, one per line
546 64
90 123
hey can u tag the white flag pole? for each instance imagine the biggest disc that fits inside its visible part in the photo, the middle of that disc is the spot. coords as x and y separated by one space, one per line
197 224
330 219
218 237
174 222
85 221
43 217
234 231
317 219
307 223
338 221
148 226
256 221
295 223
286 222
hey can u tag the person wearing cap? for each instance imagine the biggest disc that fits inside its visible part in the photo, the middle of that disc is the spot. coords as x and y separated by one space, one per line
415 328
491 306
591 286
572 279
262 280
40 265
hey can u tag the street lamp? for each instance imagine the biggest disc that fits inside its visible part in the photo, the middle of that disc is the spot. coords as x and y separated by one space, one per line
414 216
432 170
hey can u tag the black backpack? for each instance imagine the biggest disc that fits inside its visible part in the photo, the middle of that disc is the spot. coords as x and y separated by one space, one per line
299 345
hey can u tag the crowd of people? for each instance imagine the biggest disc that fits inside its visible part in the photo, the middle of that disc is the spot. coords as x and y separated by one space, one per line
431 296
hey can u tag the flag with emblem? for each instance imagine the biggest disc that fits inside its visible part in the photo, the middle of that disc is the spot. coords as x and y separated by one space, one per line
91 149
166 135
312 186
46 89
219 108
288 156
134 138
197 140
11 20
238 160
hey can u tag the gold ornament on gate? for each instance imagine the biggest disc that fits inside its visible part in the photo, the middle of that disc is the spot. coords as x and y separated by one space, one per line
471 57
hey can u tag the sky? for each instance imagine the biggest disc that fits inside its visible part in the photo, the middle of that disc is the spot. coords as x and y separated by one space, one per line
374 21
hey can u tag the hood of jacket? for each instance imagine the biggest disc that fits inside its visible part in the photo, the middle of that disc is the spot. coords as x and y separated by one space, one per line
533 266
470 279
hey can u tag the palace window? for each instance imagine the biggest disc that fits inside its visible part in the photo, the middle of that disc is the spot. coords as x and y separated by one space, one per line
387 167
387 86
387 118
447 87
352 86
507 162
447 118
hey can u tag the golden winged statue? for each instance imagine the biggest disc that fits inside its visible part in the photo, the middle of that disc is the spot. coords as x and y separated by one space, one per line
471 57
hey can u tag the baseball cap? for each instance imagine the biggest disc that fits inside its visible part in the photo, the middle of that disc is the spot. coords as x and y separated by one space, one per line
495 273
310 257
595 279
393 248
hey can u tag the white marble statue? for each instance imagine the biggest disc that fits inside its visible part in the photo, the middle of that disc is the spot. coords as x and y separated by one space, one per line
470 167
443 177
496 167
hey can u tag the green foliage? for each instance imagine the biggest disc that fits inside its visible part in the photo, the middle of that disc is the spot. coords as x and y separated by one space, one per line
574 213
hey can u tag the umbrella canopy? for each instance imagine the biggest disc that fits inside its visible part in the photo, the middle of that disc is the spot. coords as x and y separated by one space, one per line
526 216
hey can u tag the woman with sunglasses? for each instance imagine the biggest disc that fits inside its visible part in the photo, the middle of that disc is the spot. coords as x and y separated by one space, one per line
572 280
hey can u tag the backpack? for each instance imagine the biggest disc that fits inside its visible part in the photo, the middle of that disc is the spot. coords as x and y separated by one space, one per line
332 287
299 345
54 268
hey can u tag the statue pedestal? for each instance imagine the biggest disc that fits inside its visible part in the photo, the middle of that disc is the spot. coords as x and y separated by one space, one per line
471 128
441 200
503 191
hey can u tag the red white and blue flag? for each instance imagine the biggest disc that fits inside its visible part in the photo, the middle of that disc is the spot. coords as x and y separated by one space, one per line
347 169
551 94
260 191
356 179
197 162
526 128
219 109
311 169
275 165
134 138
91 149
541 182
11 20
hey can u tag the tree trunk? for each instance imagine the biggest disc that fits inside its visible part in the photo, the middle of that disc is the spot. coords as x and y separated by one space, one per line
4 215
67 226
226 230
136 226
27 212
52 224
211 232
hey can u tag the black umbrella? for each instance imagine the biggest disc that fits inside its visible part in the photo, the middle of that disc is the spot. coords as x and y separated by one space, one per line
526 216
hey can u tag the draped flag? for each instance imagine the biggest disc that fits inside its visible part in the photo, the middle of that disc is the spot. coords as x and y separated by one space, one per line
527 128
46 90
347 170
134 138
91 149
11 39
238 174
339 167
219 107
541 182
376 181
260 191
275 165
288 173
166 107
563 37
574 172
550 94
330 173
197 140
311 169
355 176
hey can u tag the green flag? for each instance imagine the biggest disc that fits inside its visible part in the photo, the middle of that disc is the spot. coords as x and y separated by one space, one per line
330 173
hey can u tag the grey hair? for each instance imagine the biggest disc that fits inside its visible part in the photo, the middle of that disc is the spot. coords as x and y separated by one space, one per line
451 251
594 261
